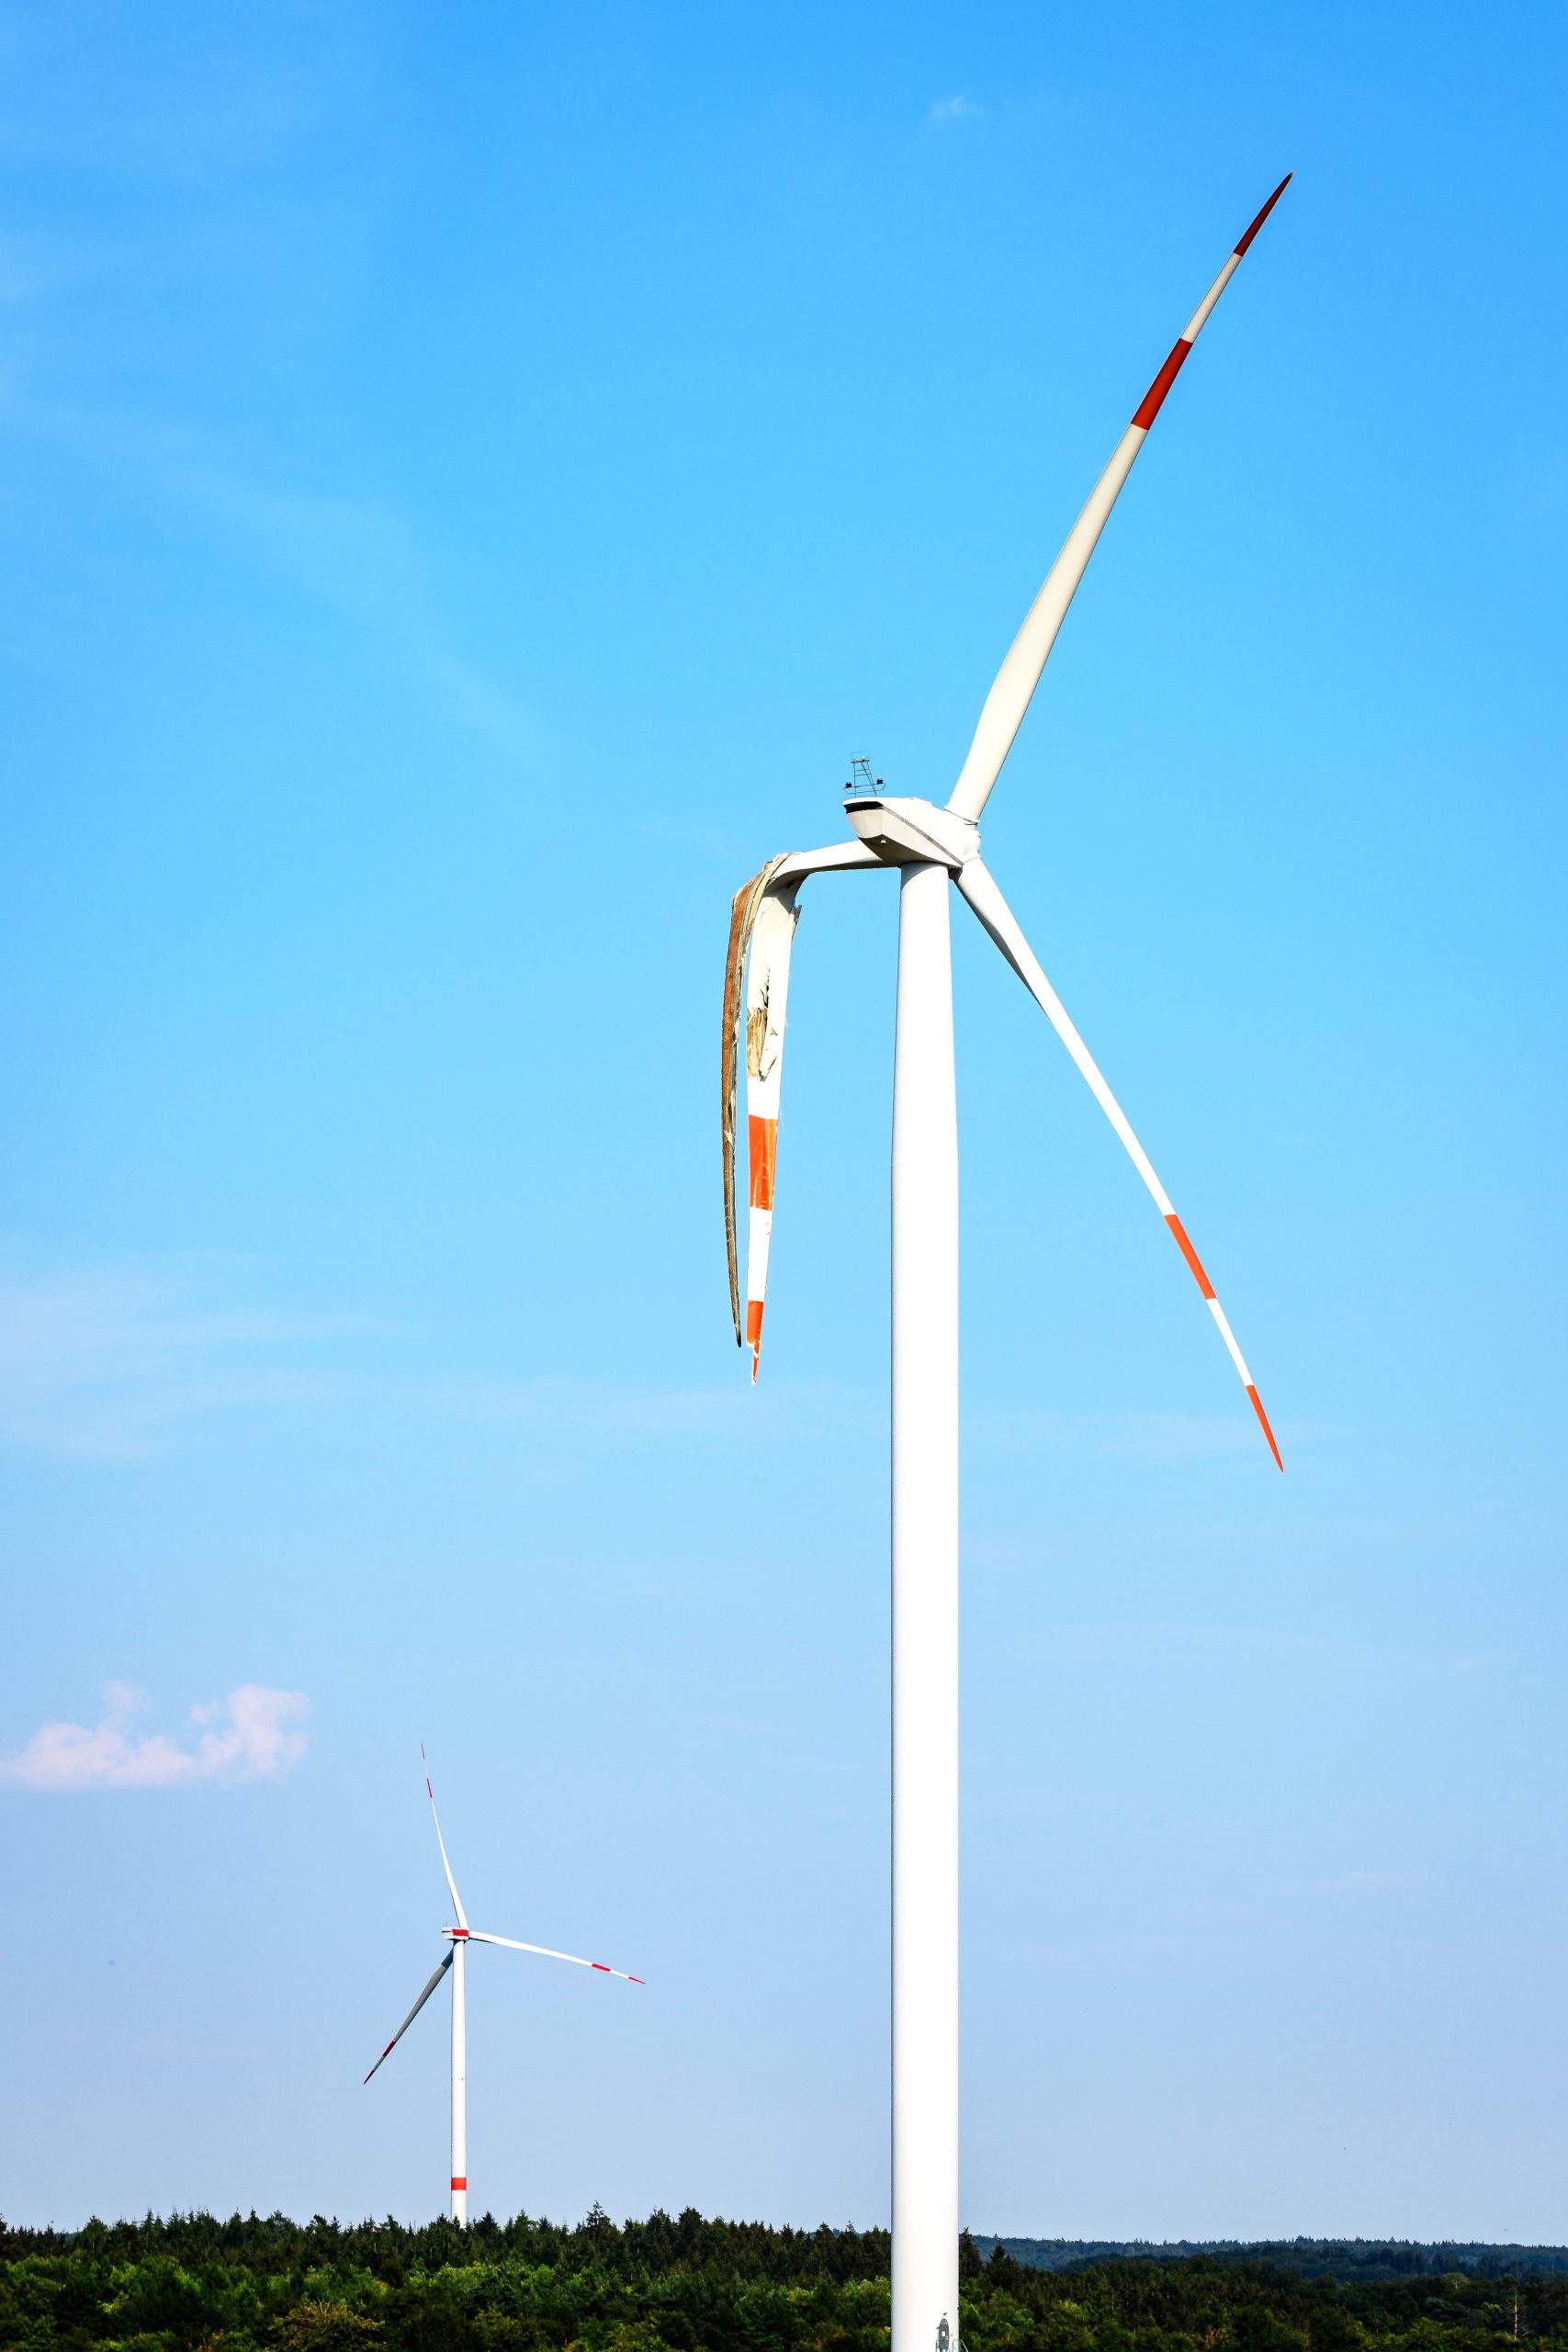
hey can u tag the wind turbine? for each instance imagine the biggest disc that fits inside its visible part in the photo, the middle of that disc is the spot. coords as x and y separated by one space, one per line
459 1939
930 847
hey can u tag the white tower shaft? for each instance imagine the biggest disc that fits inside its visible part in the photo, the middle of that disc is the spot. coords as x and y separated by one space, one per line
460 2085
925 1627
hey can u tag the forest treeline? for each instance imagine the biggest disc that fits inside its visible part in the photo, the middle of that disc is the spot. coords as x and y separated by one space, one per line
1346 2259
193 2283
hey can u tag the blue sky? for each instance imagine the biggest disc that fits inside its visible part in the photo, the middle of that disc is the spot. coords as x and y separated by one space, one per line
473 478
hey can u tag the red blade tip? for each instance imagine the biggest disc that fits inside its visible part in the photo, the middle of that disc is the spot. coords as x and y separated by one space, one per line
1263 1418
1263 216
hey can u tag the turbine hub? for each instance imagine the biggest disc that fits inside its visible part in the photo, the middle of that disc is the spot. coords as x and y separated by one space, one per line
906 831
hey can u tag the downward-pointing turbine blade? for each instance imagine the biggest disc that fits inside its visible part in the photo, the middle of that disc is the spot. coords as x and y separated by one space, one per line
745 909
476 1936
419 2005
1020 674
980 888
762 917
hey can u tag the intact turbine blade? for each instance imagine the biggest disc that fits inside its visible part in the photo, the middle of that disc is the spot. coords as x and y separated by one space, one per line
978 887
762 917
419 2005
1015 682
452 1883
545 1952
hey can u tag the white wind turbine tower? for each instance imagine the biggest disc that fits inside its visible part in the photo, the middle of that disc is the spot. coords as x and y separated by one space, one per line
459 1939
930 847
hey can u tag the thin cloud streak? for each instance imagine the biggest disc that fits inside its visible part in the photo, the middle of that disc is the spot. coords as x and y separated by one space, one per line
353 557
98 1363
112 1362
252 1735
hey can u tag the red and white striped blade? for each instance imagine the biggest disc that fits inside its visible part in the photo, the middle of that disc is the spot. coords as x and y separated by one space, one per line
451 1882
980 888
762 917
476 1936
744 909
419 2005
1015 682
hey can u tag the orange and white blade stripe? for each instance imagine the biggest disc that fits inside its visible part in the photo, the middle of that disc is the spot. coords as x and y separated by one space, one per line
980 889
763 919
1015 682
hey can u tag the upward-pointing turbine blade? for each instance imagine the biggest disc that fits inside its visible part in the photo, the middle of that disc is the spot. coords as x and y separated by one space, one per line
419 2005
980 889
451 1882
545 1952
1020 674
762 917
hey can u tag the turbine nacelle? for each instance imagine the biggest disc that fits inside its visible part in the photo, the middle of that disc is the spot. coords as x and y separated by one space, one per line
901 830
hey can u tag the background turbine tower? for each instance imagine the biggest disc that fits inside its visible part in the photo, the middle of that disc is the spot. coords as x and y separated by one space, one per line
459 1939
929 846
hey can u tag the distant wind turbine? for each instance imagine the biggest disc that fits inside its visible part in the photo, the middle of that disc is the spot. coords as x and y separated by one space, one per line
457 1939
930 847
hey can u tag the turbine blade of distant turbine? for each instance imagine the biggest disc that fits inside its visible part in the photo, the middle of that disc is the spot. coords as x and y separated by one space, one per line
762 917
412 2012
545 1952
1015 682
456 1898
978 887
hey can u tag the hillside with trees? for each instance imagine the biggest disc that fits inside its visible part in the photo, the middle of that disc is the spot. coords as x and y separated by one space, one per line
193 2283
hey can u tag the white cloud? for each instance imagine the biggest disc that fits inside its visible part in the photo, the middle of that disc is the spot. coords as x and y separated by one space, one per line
954 109
250 1736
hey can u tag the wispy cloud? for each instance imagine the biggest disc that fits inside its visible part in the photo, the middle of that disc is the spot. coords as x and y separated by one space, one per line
362 561
954 109
275 121
350 555
115 1362
1024 1432
252 1735
818 1411
99 1361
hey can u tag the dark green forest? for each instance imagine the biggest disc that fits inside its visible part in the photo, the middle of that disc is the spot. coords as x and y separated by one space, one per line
195 2284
